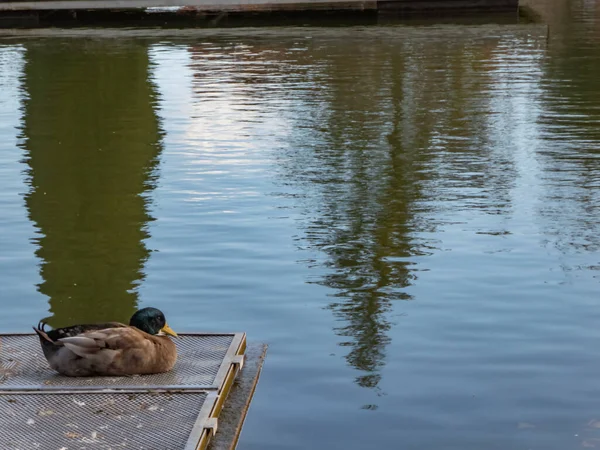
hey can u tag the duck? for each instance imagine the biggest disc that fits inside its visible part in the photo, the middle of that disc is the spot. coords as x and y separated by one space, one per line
111 349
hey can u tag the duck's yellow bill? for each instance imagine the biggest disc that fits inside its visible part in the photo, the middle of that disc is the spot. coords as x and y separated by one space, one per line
167 330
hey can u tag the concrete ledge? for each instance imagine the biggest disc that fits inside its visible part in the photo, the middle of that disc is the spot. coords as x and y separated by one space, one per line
407 6
236 407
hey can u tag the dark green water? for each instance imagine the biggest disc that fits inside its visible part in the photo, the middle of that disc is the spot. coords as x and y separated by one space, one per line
409 216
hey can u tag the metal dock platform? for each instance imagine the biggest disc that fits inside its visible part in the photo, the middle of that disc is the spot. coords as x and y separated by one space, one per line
178 410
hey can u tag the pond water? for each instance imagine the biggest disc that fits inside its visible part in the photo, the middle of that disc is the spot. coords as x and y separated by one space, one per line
407 215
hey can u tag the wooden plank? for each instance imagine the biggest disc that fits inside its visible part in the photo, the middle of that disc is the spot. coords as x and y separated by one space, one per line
200 5
260 5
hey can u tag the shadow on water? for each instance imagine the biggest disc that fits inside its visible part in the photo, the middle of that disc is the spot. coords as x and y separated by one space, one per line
366 235
89 177
376 147
362 187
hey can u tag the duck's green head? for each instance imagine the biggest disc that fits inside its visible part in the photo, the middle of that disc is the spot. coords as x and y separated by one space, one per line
152 321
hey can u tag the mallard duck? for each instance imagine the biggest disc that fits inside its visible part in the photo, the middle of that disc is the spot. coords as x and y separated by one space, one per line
111 349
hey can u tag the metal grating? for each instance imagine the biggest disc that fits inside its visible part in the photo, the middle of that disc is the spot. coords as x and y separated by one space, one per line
178 410
101 420
200 357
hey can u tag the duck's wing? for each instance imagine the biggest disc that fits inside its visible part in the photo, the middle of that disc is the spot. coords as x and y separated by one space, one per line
109 341
76 330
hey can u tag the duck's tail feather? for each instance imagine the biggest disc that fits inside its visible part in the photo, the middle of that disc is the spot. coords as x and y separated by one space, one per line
41 332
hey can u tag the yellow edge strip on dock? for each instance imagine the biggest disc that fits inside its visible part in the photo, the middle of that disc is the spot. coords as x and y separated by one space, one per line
232 372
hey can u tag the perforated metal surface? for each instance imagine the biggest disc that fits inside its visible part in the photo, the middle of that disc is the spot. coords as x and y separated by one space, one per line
40 409
200 357
100 421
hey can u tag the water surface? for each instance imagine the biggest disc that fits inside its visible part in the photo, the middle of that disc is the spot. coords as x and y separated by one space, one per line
408 216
